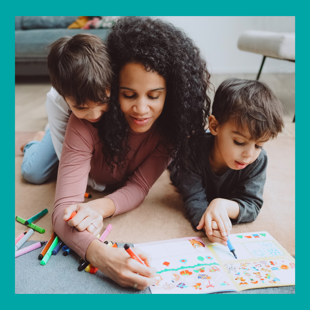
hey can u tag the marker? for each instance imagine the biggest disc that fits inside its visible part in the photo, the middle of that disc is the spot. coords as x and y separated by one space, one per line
20 236
66 250
47 246
24 239
34 227
231 247
49 252
73 214
106 232
84 263
29 248
35 217
88 195
133 254
58 247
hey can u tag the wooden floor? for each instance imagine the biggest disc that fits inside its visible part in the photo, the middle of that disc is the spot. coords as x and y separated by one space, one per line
30 96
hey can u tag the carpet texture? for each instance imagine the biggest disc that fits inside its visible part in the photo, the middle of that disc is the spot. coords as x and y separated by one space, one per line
161 215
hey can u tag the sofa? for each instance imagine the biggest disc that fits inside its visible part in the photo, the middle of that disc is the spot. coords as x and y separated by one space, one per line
33 35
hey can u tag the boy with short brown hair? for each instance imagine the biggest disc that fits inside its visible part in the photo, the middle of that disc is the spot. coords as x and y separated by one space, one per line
224 179
81 76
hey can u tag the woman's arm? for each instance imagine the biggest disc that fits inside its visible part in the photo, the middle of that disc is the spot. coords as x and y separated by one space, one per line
133 193
71 184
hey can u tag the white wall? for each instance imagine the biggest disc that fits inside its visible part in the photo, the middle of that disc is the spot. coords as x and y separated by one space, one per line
217 37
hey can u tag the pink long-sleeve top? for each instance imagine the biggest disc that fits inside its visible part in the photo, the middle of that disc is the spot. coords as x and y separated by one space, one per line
82 155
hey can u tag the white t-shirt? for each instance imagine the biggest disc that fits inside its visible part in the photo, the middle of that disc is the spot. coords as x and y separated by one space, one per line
58 112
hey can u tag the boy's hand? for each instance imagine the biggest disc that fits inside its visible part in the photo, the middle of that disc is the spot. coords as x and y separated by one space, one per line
217 211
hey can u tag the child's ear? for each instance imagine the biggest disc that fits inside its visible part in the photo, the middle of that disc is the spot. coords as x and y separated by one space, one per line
213 125
108 91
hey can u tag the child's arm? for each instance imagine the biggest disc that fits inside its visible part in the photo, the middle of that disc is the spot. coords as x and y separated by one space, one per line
249 192
58 113
190 183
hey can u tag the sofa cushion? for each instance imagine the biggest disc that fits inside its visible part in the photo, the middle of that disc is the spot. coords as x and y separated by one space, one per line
33 44
46 22
273 44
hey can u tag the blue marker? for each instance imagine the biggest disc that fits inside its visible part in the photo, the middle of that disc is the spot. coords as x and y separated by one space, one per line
66 250
57 247
231 247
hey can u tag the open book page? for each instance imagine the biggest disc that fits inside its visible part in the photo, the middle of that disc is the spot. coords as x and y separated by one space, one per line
194 266
262 261
186 266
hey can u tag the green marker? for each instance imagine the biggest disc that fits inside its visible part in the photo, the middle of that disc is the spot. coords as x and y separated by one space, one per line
34 227
49 252
35 217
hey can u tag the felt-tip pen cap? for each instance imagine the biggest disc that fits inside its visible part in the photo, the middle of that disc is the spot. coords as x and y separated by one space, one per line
126 246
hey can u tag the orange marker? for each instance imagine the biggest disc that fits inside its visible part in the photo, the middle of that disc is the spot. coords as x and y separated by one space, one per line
88 195
47 246
71 216
133 254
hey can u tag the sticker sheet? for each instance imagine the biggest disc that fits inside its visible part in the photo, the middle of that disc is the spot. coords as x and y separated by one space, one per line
261 261
190 265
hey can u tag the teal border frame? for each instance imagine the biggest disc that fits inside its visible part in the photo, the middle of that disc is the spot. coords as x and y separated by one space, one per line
156 8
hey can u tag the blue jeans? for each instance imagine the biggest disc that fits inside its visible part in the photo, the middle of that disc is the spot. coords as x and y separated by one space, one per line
40 160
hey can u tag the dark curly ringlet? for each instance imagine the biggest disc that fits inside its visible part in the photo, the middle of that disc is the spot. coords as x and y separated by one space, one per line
80 68
251 105
164 49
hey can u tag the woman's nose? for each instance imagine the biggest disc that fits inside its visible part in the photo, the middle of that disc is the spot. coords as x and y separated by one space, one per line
141 107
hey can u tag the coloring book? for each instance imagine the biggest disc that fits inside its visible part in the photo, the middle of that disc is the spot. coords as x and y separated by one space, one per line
190 265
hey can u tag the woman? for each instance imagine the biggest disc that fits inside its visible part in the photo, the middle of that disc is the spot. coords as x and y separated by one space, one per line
158 99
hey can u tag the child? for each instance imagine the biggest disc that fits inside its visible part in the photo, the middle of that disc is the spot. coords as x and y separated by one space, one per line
81 76
223 181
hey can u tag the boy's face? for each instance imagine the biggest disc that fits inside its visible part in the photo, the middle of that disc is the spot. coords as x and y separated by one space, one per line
91 111
233 148
142 96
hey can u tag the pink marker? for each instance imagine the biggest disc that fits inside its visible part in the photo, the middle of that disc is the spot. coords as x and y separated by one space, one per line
29 248
20 236
103 236
106 232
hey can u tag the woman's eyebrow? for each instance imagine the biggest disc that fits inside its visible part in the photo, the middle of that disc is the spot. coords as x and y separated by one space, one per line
122 87
160 88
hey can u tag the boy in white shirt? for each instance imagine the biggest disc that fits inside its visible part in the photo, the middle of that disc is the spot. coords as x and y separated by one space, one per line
85 93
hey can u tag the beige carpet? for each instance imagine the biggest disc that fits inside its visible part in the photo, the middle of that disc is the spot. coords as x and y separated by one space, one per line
161 216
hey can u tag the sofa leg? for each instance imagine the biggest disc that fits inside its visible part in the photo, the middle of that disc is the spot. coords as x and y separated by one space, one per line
294 119
261 68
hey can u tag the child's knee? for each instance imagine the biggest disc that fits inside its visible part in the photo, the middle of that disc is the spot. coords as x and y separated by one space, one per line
34 176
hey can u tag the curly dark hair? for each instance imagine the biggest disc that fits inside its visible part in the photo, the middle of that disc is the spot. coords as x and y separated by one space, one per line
164 49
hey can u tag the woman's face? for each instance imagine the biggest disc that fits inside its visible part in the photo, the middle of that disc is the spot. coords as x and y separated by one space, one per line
142 96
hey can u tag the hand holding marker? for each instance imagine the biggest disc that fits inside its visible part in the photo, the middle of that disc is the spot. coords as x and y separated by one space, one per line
133 254
229 244
85 263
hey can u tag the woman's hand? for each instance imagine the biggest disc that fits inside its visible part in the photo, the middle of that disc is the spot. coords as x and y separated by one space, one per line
87 218
120 267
